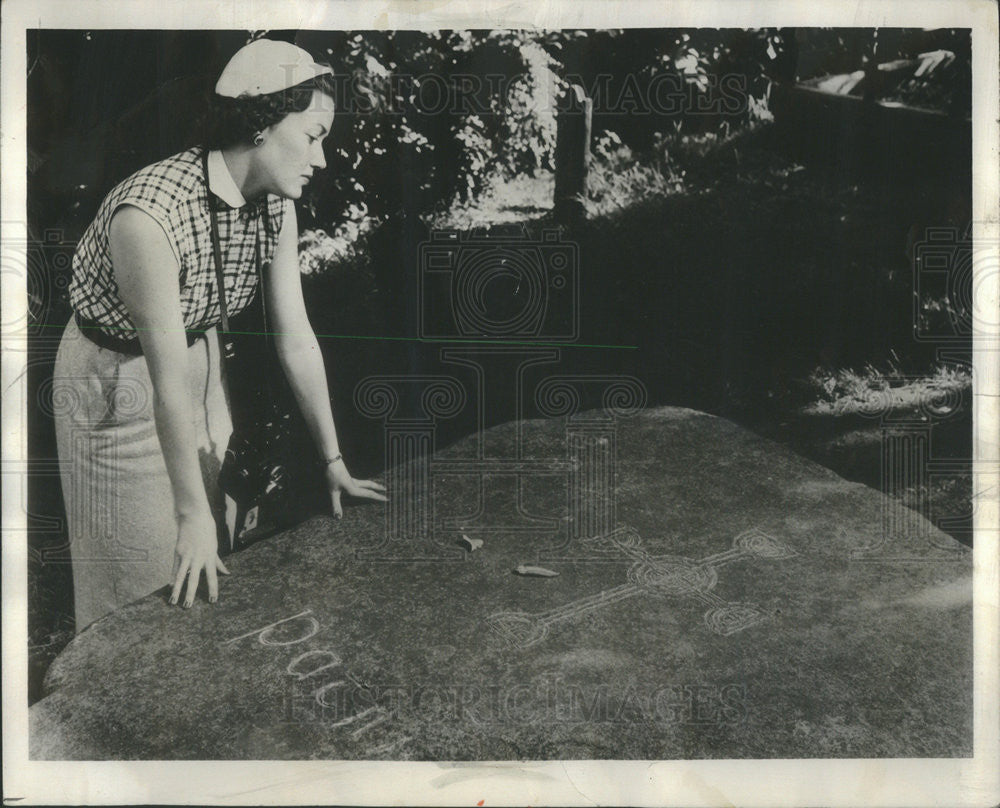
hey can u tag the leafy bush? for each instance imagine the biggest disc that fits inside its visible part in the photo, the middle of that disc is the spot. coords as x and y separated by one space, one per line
847 391
426 115
448 115
319 249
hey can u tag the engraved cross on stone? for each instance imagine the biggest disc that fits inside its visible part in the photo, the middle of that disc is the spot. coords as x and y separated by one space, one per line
661 576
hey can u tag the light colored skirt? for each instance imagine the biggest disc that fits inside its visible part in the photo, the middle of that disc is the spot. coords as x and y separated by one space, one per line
119 502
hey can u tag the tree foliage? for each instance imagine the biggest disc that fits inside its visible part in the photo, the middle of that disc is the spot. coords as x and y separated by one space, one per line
425 117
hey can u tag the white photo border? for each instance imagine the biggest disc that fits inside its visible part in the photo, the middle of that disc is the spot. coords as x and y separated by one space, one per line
903 782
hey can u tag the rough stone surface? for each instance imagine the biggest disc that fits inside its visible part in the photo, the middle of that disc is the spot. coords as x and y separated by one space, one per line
728 618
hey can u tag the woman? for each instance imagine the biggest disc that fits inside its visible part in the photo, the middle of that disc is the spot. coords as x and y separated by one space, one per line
144 422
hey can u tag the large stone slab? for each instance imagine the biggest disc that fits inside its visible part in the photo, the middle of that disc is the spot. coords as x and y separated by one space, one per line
748 603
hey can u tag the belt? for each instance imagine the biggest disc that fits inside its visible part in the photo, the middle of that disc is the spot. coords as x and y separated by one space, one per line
91 329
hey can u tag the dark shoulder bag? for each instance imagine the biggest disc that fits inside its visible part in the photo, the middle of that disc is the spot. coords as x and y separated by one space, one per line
255 472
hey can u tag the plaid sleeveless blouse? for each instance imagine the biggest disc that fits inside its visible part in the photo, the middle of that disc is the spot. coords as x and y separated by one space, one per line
175 193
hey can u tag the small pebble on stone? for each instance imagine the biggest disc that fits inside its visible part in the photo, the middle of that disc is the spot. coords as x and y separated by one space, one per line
470 544
540 572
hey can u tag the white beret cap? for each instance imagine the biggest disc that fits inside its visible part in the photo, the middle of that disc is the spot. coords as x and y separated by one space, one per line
267 66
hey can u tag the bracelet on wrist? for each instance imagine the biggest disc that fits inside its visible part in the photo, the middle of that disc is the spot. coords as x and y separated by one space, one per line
332 460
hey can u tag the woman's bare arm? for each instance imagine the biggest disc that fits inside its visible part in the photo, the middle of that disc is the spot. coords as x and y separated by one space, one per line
300 357
147 276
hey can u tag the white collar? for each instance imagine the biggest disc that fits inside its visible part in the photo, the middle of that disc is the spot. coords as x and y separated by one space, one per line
221 182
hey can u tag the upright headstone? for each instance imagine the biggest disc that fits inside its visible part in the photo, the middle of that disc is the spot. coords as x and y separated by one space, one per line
572 154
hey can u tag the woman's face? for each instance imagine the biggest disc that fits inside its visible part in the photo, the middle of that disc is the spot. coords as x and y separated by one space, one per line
293 148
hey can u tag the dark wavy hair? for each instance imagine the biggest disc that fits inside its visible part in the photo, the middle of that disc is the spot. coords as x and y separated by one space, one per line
236 120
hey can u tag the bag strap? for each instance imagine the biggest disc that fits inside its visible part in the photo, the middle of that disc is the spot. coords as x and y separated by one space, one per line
226 343
220 278
220 285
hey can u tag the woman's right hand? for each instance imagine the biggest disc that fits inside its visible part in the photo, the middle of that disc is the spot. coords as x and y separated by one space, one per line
197 550
147 273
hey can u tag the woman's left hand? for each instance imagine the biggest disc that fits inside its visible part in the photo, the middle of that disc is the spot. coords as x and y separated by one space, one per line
339 480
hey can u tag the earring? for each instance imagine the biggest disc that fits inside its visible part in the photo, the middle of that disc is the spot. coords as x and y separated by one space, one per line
258 138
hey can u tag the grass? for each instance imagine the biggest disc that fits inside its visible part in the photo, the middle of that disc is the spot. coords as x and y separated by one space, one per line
874 392
504 201
617 178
